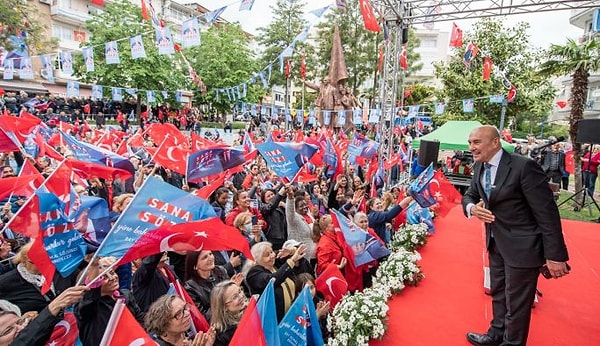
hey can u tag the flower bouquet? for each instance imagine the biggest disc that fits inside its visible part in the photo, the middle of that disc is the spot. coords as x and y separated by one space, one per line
359 317
410 237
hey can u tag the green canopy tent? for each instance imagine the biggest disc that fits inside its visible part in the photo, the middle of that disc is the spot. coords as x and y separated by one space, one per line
454 135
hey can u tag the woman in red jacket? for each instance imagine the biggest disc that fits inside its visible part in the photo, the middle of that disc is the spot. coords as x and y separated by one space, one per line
241 202
332 248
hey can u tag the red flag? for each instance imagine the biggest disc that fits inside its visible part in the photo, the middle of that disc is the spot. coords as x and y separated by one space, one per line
207 190
208 234
380 59
569 162
199 142
288 67
172 157
456 36
487 68
98 3
145 14
8 143
199 321
39 257
366 10
249 328
304 176
88 170
65 332
404 58
303 67
394 160
512 94
158 132
332 284
444 192
124 329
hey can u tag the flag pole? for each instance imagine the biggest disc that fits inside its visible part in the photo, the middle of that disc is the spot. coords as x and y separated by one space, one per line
83 274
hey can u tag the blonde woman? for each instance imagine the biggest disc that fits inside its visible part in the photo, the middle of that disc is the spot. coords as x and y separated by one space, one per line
227 303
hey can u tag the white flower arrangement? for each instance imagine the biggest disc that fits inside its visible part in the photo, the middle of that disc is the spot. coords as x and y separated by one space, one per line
358 318
410 237
399 269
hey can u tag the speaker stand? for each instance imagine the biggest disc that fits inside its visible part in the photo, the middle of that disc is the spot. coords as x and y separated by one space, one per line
579 206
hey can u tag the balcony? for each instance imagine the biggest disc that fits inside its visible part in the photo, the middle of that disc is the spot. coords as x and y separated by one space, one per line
69 15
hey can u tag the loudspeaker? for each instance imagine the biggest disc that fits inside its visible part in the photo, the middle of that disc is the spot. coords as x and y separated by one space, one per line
404 35
428 152
588 131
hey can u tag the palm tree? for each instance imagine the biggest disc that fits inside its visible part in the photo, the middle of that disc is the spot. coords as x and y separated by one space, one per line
578 60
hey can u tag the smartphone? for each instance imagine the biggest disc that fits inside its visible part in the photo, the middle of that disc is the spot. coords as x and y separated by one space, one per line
546 272
254 220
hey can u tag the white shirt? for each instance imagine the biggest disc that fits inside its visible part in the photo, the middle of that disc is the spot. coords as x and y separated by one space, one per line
494 163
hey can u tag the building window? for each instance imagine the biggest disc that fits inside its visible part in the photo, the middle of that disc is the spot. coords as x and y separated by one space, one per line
180 15
62 32
278 97
429 43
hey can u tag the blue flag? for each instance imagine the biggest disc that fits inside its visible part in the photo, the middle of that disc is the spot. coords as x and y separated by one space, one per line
154 205
419 188
361 146
286 159
93 218
164 41
300 325
65 246
66 62
111 52
88 58
268 314
246 5
190 33
211 17
213 161
97 91
365 247
416 214
90 153
137 47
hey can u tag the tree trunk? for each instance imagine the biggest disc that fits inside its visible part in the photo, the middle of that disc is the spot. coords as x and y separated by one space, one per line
578 98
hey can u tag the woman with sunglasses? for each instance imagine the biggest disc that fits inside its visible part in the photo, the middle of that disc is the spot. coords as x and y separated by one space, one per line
94 311
33 329
227 302
169 320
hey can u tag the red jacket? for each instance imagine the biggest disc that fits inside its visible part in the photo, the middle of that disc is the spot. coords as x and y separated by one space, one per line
329 250
230 218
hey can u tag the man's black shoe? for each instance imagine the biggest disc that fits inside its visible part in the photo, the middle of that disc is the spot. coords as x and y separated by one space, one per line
482 340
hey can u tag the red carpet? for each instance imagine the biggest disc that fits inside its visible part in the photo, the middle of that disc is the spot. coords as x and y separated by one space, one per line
450 301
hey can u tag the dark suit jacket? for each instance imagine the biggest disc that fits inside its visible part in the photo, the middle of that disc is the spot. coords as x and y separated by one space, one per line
561 162
527 229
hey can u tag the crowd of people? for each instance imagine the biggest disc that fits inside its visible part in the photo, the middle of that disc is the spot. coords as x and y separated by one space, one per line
288 226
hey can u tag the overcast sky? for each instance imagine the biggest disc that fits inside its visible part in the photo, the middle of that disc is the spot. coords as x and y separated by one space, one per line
546 27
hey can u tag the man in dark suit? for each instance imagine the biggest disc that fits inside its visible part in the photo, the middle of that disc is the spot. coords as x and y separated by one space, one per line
554 164
509 193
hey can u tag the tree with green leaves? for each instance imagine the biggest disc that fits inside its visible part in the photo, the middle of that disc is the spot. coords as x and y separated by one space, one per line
509 50
18 17
287 24
120 20
224 60
577 60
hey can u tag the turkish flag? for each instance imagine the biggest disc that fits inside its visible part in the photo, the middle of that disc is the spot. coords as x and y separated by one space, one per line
366 10
303 67
124 329
170 156
404 58
304 176
209 234
88 170
569 162
65 332
158 132
332 284
145 14
561 104
512 94
456 36
445 193
487 68
288 68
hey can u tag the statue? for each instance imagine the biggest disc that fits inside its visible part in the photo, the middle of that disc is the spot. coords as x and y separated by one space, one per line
330 90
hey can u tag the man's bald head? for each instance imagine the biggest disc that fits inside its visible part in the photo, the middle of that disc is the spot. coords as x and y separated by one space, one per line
484 143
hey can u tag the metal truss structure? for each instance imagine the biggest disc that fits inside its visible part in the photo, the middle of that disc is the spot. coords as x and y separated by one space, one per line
401 14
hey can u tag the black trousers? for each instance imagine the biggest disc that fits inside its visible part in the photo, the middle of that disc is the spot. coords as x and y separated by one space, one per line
513 293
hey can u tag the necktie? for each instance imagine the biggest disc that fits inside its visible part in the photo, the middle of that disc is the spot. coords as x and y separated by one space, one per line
487 179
